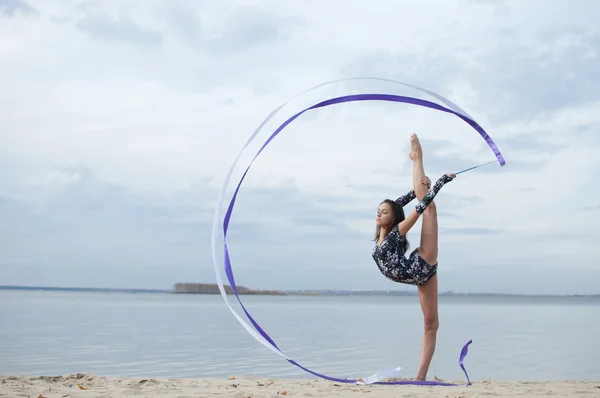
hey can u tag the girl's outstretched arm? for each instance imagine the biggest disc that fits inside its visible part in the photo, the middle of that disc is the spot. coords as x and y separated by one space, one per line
406 198
410 195
412 218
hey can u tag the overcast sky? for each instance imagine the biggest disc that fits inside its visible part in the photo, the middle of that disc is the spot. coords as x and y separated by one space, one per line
119 120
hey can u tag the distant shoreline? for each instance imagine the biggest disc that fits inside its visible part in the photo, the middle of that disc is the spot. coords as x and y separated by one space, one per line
299 292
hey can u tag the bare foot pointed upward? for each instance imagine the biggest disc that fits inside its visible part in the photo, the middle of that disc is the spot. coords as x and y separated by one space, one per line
415 147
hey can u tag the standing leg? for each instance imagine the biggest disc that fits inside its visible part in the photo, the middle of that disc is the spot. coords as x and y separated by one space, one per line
428 295
428 292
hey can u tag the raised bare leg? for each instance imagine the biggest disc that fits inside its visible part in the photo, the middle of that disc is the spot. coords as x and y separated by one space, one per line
428 296
428 248
416 154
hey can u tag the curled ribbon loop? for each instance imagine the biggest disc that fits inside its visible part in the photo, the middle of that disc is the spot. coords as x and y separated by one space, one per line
255 330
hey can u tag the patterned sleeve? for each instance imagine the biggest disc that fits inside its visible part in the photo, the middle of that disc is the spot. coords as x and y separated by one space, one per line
406 198
394 235
428 198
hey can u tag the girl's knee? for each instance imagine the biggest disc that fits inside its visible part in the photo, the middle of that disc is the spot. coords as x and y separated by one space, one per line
431 208
431 323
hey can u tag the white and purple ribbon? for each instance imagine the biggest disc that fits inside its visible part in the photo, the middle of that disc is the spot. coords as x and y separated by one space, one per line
256 331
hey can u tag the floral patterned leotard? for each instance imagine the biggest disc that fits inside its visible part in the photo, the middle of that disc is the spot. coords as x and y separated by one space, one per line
390 256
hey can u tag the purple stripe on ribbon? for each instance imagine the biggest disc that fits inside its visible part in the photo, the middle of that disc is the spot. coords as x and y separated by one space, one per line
334 101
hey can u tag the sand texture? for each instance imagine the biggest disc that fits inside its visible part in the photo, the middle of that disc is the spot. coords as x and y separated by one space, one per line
84 385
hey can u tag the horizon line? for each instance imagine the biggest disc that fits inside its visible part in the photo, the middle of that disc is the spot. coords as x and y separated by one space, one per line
155 290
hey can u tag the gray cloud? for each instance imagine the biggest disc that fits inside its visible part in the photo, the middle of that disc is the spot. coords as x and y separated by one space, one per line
533 143
288 203
524 81
227 44
591 208
253 26
397 187
247 28
514 80
434 68
102 26
588 134
500 277
457 202
11 8
485 2
561 237
90 223
471 231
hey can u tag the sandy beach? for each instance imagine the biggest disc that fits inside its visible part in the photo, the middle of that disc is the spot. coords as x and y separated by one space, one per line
84 385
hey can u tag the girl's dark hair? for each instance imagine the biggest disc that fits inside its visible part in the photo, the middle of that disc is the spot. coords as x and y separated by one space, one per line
397 217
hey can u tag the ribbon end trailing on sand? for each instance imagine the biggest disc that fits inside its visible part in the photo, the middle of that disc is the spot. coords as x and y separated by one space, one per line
380 376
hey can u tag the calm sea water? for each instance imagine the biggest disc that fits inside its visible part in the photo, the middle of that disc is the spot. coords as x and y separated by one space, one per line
164 335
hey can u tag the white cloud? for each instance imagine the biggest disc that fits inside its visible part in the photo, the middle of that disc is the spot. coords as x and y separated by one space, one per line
118 123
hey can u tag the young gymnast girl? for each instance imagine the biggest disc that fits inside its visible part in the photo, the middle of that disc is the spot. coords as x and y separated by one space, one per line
420 268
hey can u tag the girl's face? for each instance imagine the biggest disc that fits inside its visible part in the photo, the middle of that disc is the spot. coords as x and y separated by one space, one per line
384 215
